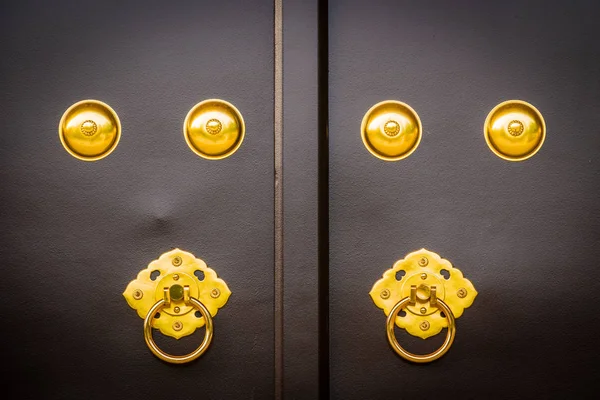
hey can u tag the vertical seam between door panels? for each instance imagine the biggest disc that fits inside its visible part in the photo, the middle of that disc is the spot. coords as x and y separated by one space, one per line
323 197
278 187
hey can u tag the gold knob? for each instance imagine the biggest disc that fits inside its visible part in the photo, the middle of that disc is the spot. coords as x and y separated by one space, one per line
214 129
514 130
391 130
89 130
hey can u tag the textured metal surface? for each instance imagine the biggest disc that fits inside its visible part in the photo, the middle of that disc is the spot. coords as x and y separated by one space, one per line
278 191
300 199
525 233
82 230
323 199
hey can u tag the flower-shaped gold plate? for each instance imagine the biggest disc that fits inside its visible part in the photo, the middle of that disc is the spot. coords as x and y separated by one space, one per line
423 269
391 130
214 129
514 130
177 268
89 130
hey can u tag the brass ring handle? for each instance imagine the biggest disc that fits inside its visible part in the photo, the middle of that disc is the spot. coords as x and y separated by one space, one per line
391 319
185 358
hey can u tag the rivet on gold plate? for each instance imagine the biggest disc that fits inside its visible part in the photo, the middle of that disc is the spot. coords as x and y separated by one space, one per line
177 294
214 129
514 130
423 296
177 326
89 130
391 130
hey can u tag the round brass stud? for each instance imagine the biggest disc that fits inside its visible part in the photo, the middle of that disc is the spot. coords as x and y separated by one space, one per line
215 293
176 292
177 326
424 325
214 129
462 293
138 294
89 130
391 130
177 261
514 130
385 294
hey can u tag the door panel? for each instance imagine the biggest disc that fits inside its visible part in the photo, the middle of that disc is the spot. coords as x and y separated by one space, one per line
75 233
526 233
300 171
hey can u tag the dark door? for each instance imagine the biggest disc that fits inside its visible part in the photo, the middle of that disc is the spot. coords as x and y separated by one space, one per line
525 233
75 233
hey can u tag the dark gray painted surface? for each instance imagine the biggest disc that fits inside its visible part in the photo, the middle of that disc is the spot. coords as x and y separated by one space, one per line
527 234
75 233
300 199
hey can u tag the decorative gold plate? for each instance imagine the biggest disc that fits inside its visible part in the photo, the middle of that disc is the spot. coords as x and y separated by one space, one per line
391 130
514 130
172 270
214 129
423 285
89 130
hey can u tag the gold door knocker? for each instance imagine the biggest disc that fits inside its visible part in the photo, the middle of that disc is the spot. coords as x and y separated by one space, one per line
422 293
177 294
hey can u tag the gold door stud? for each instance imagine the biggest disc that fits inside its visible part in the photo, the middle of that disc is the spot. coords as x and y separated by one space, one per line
89 130
391 130
514 130
214 129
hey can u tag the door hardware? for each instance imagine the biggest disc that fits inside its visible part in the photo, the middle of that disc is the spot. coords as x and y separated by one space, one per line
177 294
429 287
214 129
514 130
89 130
391 130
